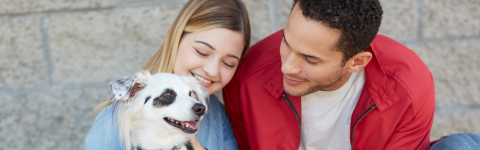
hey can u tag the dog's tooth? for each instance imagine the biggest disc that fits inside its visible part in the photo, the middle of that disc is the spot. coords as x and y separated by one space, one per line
186 125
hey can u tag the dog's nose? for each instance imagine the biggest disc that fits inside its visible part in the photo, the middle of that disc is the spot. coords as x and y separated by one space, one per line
199 109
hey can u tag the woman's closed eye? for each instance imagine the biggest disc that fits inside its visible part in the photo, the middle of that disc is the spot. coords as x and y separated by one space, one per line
228 65
200 53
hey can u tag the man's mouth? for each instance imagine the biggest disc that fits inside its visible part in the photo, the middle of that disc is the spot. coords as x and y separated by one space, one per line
186 126
293 81
199 78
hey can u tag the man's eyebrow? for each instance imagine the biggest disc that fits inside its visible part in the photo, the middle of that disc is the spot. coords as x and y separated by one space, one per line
285 39
206 44
310 56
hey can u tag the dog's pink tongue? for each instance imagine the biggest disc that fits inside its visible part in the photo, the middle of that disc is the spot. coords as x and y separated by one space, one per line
191 124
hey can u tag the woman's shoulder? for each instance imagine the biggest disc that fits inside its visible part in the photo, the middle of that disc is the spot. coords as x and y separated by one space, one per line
104 132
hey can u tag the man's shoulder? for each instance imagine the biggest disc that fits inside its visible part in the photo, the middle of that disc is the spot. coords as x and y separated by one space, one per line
262 56
395 58
405 71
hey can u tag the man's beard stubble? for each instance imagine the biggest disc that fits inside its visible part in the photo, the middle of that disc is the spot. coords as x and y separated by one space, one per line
327 82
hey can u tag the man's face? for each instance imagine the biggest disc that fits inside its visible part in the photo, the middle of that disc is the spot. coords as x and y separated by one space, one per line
309 59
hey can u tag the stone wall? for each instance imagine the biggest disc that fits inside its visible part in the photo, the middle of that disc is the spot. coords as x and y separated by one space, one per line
57 57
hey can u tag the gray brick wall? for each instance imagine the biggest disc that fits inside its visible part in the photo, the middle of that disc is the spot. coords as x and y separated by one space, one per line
57 57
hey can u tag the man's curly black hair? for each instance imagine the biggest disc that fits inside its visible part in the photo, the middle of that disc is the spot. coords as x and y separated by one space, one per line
357 20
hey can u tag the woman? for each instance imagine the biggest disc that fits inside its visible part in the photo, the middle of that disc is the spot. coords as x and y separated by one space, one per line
206 40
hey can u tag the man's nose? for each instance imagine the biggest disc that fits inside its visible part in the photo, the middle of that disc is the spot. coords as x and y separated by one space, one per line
291 64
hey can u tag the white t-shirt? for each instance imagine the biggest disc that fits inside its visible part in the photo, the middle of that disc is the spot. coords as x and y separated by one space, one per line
326 115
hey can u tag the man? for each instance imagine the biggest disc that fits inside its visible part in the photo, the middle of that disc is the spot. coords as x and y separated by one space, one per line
328 81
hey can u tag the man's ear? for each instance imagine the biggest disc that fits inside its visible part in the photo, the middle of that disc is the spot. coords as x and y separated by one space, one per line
127 88
359 61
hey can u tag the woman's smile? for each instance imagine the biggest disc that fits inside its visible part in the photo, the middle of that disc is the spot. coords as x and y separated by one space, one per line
203 81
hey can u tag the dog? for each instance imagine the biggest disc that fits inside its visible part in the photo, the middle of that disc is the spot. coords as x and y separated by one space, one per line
160 111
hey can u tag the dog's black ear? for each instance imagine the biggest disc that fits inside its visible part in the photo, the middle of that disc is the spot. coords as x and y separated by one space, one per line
120 88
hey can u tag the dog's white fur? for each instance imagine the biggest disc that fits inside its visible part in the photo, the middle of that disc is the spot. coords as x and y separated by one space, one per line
143 124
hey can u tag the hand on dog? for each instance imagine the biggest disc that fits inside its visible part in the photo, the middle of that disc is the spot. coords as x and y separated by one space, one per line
195 144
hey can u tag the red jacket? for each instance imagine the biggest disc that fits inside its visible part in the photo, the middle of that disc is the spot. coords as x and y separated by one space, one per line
395 109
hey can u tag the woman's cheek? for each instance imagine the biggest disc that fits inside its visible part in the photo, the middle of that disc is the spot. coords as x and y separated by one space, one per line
227 75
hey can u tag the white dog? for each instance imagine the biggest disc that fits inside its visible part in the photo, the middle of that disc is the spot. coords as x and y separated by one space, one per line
160 111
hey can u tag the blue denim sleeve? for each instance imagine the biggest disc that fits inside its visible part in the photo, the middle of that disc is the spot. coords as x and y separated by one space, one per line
229 140
104 133
215 131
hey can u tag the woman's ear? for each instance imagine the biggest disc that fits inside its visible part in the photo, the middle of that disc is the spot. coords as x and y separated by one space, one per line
359 61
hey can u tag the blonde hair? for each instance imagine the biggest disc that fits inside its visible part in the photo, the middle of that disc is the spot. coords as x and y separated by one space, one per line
196 16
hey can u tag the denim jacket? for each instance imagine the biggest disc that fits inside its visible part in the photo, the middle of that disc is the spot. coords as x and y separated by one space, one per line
214 132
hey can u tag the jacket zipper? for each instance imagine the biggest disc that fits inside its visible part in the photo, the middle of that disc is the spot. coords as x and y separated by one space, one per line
361 117
296 115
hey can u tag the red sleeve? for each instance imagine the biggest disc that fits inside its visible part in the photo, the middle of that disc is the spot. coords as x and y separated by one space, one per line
232 99
415 136
233 95
416 133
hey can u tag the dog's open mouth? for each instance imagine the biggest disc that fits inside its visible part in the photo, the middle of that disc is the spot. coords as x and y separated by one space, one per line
185 126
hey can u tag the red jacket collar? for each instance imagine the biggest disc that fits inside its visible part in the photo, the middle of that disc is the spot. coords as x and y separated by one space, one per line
275 86
378 85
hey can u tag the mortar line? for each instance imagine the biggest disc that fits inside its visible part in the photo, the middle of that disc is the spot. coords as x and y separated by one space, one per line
449 110
126 4
46 49
273 14
119 5
53 89
442 40
420 21
49 12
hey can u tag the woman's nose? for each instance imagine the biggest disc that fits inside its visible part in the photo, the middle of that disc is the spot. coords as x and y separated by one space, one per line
211 68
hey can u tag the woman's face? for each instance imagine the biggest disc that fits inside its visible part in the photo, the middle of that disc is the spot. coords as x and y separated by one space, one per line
211 56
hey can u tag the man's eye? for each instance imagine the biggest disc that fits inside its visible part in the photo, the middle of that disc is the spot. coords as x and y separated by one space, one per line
200 53
309 61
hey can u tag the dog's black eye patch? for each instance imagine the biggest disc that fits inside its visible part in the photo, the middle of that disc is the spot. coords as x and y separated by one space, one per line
146 99
166 98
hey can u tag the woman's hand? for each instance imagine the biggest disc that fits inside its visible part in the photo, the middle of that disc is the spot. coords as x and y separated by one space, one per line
195 144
